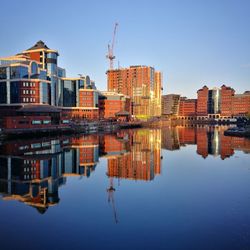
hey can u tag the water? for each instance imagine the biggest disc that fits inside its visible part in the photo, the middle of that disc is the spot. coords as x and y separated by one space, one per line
174 188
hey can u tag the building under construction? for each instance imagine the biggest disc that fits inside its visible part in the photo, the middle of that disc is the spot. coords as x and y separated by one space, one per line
143 84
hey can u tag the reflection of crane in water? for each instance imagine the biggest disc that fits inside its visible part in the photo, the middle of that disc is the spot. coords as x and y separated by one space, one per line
111 191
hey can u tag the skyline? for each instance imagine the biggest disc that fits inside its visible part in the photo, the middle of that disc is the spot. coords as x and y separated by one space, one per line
207 45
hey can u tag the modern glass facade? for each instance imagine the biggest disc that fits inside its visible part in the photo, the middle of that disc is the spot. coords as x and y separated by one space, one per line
34 68
15 92
69 93
18 72
44 93
3 73
213 101
51 63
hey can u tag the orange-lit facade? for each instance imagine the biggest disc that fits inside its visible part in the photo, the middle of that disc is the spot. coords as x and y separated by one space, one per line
187 107
143 161
217 103
202 101
209 141
241 104
111 103
227 94
143 84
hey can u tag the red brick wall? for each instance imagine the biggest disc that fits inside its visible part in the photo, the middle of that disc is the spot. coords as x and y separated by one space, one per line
187 107
227 94
202 100
86 98
241 105
30 93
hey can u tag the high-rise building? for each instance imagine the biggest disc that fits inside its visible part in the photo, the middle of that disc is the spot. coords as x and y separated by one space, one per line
143 84
202 100
227 94
170 104
47 59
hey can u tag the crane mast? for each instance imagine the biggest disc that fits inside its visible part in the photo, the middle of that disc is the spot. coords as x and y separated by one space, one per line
110 54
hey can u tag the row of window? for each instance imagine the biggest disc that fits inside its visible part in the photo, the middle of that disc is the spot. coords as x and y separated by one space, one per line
27 91
38 122
87 104
87 98
27 99
29 169
27 177
29 162
87 93
29 84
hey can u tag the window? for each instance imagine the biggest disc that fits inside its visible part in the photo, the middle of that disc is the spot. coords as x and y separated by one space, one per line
18 72
3 73
3 91
34 68
46 122
36 122
14 92
65 121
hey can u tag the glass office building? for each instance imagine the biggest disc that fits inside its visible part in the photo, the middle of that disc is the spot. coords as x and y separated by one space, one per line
22 80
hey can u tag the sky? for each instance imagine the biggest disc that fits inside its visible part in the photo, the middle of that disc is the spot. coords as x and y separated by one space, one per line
193 43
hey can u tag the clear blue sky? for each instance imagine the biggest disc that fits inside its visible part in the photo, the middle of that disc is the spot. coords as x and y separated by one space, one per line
192 42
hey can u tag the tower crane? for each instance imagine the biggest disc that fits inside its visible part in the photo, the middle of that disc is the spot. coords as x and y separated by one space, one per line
110 54
111 191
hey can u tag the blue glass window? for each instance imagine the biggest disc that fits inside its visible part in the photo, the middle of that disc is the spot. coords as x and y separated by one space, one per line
43 75
34 68
3 92
3 74
17 72
69 93
14 92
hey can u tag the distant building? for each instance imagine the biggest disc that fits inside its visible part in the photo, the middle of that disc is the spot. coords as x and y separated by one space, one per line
227 94
111 104
187 107
241 104
143 84
170 104
202 101
216 103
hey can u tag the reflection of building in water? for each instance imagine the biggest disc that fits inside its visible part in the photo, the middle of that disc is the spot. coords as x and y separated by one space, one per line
210 140
33 181
84 155
33 171
170 139
143 161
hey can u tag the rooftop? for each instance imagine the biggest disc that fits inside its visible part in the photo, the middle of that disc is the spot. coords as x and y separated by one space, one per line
39 108
39 45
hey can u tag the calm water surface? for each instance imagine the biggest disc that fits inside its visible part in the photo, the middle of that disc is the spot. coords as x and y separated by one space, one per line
171 188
